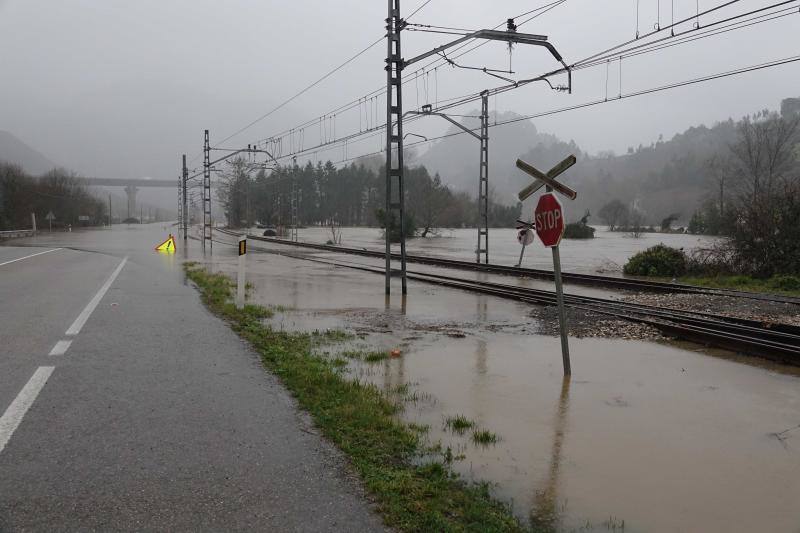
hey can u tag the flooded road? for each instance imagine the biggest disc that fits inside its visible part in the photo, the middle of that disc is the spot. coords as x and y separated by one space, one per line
607 252
656 436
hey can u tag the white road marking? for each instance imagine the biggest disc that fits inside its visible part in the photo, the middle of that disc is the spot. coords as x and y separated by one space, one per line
76 326
13 415
60 348
28 256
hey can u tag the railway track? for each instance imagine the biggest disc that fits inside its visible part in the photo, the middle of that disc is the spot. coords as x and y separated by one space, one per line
775 341
568 277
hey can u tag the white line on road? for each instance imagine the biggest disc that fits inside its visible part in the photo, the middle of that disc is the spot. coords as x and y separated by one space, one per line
28 256
13 415
76 326
60 348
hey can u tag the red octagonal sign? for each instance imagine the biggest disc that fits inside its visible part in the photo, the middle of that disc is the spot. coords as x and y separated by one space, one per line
549 218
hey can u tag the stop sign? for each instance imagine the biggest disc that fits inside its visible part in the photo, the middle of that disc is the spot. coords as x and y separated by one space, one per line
549 218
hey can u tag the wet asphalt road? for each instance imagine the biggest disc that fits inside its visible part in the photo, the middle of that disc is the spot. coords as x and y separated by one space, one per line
157 417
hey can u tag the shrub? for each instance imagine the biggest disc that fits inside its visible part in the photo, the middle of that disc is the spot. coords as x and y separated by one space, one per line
577 230
658 260
785 283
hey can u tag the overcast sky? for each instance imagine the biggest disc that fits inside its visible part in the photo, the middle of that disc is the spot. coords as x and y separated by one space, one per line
120 89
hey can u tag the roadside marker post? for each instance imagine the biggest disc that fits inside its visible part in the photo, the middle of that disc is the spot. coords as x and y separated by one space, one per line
549 221
240 278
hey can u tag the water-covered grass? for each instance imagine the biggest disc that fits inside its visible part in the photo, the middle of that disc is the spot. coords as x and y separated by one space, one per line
362 421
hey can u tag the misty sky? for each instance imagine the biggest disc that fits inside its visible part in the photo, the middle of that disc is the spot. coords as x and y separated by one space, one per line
120 89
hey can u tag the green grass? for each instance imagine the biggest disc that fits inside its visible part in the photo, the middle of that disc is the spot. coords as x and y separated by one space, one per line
786 285
458 424
362 421
484 437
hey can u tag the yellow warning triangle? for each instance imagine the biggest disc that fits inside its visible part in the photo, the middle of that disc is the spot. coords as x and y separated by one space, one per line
167 246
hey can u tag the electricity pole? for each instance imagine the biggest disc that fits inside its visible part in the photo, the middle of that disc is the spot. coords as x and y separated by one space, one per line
207 193
185 209
394 123
395 193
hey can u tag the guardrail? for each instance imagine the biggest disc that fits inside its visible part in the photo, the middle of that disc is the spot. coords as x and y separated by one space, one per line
16 233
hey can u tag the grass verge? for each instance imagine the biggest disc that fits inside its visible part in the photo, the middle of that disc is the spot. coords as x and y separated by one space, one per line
785 285
361 420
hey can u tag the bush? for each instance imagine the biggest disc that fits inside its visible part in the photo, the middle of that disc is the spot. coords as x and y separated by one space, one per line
785 283
658 260
577 230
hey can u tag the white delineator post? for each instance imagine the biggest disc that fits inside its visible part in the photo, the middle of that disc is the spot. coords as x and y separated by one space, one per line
240 278
33 222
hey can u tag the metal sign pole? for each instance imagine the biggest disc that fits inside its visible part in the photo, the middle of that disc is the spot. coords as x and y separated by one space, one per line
562 315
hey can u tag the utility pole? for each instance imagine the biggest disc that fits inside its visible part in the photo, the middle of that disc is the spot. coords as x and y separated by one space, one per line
207 193
483 184
185 207
109 211
395 192
395 64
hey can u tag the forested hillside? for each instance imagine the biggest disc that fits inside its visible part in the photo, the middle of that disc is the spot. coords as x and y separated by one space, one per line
659 178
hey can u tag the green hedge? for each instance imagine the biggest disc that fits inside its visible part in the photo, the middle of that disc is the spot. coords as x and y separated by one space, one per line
659 260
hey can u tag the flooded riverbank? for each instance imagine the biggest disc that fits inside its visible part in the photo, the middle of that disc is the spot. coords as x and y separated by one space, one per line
658 436
607 252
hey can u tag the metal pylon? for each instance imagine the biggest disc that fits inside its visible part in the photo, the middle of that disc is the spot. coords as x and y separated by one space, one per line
395 193
294 210
483 184
184 200
207 194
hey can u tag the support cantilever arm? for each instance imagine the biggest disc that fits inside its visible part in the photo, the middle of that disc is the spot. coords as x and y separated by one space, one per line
458 124
497 35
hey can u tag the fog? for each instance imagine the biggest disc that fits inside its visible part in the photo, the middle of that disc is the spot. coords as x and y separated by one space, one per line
120 89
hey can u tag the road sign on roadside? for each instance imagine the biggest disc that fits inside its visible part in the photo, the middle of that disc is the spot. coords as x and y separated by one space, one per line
548 179
549 217
50 217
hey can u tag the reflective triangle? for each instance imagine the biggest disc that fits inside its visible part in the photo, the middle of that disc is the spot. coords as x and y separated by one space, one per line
167 246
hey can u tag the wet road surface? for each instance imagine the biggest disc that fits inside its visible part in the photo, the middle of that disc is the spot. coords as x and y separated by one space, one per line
150 414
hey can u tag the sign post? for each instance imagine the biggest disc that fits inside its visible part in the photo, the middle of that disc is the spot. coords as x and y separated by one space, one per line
50 218
241 274
549 220
524 237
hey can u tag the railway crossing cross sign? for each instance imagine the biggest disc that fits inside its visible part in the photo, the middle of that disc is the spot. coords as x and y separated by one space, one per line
549 217
546 179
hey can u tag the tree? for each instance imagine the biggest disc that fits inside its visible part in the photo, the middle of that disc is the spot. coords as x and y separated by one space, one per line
234 193
766 195
666 223
614 213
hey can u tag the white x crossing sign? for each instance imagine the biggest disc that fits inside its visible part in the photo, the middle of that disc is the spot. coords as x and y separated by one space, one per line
543 179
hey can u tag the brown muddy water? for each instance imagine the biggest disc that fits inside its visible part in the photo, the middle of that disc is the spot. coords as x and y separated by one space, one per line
607 252
654 436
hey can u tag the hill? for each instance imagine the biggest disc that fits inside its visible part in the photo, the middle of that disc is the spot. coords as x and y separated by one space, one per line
12 150
664 177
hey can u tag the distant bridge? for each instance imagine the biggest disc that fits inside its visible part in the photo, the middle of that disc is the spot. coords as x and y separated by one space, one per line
132 186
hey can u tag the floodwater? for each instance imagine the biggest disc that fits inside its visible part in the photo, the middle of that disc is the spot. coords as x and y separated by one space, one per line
607 252
655 436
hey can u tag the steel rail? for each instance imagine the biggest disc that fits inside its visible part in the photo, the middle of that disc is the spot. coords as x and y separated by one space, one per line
592 280
779 342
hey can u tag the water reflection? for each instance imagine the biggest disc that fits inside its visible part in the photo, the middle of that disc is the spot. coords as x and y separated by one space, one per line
546 514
